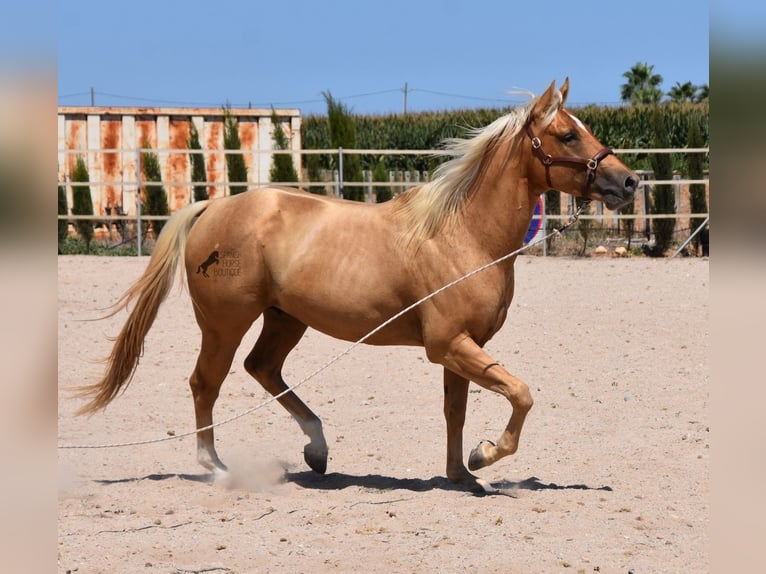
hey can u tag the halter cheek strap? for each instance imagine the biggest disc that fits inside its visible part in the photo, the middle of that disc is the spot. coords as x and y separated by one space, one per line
591 165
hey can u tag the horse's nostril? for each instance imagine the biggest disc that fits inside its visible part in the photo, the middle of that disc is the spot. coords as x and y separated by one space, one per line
631 183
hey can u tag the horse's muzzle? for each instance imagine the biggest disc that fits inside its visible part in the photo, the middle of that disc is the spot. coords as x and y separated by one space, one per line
615 195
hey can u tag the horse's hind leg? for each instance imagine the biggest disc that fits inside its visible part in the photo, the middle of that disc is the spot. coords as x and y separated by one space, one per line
213 363
281 332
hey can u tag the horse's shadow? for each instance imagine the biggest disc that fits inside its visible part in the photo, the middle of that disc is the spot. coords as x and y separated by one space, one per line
204 477
340 481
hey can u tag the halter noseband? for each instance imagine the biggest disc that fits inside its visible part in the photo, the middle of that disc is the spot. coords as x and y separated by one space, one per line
591 165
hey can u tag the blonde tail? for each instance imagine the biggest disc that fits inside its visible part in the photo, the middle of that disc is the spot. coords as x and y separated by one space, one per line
149 292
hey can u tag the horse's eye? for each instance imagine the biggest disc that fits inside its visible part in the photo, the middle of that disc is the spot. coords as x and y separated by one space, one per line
569 137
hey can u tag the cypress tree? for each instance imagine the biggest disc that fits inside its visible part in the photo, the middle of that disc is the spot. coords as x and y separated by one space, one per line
343 134
380 174
197 160
313 168
282 169
156 199
82 202
695 164
663 196
235 162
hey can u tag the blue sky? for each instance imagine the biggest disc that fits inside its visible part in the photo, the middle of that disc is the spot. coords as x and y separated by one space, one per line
451 54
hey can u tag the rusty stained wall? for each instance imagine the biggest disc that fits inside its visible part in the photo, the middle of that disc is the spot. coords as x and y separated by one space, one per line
90 131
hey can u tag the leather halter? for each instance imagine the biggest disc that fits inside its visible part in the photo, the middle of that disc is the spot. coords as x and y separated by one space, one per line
590 165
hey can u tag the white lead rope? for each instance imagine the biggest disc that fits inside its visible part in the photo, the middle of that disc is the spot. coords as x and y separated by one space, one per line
556 232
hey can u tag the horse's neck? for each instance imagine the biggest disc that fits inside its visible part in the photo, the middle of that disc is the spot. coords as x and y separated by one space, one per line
501 208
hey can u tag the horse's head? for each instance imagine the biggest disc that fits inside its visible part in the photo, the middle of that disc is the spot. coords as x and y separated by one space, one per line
567 157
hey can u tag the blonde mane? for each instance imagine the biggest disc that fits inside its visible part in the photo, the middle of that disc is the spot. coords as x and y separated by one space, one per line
428 207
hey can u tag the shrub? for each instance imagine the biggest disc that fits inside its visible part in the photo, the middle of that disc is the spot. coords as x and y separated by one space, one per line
82 202
156 198
663 196
282 169
197 160
343 134
235 162
63 210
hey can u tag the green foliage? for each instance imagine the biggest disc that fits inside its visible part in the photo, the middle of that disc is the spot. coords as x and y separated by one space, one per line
155 201
235 162
342 130
703 94
618 127
685 92
76 246
663 196
553 203
319 135
82 202
197 160
422 131
630 127
63 210
282 169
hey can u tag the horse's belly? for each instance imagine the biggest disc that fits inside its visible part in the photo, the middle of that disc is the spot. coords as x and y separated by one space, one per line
344 317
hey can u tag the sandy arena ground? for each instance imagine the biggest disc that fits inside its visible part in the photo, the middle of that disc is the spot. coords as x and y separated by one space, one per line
612 474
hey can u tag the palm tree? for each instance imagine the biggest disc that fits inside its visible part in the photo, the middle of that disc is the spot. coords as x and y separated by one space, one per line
685 92
642 86
703 93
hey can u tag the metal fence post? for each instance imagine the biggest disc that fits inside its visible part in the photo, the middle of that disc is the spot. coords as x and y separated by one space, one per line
340 171
696 231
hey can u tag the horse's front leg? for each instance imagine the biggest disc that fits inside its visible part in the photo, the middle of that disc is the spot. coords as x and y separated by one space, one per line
465 358
455 401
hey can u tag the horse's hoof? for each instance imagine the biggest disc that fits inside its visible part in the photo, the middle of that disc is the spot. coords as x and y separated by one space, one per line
315 458
477 459
213 464
479 486
471 483
483 487
221 474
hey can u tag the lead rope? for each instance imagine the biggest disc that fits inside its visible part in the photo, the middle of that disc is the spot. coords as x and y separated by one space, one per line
555 233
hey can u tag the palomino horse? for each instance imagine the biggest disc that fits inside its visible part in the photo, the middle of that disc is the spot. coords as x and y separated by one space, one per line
343 268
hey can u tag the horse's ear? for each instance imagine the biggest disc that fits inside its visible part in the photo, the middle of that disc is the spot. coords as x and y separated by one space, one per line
564 91
542 108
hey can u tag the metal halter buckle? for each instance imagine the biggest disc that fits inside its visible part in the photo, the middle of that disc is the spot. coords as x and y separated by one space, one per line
547 160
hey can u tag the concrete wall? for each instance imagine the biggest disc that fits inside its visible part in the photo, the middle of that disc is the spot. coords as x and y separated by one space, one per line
90 131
